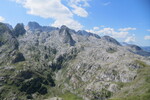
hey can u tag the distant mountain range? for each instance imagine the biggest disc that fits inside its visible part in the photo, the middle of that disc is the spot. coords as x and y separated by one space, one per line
146 48
48 63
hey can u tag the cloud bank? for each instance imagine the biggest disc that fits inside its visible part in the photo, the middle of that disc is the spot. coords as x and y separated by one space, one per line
147 37
55 9
106 3
127 29
130 39
2 19
122 33
79 7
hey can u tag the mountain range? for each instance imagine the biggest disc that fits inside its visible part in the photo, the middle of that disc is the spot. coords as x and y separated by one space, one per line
47 63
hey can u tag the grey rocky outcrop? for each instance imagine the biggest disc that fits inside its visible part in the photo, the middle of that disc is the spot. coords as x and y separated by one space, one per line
111 40
34 26
47 61
19 30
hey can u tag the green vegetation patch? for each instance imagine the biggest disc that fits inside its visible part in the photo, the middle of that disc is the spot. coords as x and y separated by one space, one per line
138 89
102 94
70 96
111 50
138 97
141 63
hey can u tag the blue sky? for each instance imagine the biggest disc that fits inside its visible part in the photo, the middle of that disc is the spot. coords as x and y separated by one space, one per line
125 20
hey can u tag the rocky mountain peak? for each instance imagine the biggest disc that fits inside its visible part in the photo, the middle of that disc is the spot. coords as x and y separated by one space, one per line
33 25
9 26
137 50
3 27
135 47
66 36
8 42
64 29
64 63
19 30
111 40
85 33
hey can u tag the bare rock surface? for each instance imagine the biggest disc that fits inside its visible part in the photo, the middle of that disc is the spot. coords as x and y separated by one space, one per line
46 62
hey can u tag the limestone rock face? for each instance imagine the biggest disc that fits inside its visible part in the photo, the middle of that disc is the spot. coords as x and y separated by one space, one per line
110 39
137 50
66 36
6 37
19 30
18 57
8 43
54 98
51 63
34 26
9 26
84 33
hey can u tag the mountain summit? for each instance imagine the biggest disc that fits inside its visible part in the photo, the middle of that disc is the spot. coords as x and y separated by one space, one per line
47 63
32 26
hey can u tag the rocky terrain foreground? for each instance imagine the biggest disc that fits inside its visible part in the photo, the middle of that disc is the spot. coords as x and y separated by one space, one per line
48 63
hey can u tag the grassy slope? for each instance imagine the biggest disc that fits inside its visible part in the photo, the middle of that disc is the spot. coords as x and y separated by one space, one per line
139 89
70 96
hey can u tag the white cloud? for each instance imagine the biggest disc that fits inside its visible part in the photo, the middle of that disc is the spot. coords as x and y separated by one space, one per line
79 7
54 9
81 3
95 28
148 30
127 29
130 39
47 8
2 19
120 33
69 22
109 31
101 26
113 33
106 3
79 11
19 1
147 37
